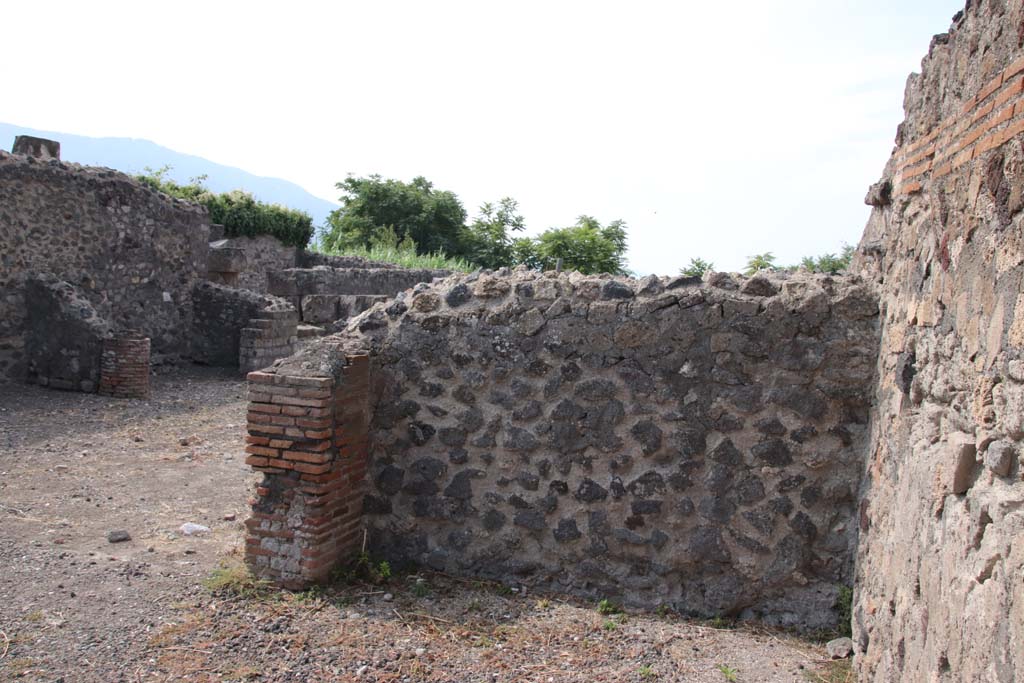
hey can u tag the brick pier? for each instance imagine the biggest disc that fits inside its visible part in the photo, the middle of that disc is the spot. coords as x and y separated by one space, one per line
308 435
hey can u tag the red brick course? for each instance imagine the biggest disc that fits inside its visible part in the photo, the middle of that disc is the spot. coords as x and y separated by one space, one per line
982 125
308 435
124 367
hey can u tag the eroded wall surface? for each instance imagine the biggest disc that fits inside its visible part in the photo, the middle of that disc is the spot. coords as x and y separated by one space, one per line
132 252
940 576
664 441
263 254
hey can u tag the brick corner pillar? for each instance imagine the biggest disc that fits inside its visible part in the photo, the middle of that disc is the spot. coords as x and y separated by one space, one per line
308 436
124 366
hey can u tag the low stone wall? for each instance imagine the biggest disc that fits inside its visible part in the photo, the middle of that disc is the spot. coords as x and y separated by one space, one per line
661 442
311 259
64 335
295 284
327 309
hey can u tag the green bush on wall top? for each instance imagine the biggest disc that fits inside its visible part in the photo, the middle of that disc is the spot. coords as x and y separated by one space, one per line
239 212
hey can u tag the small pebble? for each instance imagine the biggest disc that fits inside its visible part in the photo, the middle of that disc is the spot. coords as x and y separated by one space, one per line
388 597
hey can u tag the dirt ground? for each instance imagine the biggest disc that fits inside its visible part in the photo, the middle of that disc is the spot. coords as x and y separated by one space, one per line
77 607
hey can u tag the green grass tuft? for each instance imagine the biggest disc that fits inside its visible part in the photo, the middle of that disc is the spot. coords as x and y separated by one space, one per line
235 579
405 257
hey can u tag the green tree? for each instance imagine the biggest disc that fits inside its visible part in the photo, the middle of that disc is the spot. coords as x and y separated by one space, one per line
697 267
488 240
765 261
586 246
433 219
524 252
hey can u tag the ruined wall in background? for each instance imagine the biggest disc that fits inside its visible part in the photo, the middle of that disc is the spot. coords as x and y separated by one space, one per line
240 328
132 252
324 294
939 594
263 254
673 442
64 335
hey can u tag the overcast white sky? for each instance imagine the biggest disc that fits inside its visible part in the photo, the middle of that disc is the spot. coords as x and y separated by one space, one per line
714 129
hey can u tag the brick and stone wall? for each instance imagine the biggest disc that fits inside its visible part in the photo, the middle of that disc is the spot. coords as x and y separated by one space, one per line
307 435
658 441
939 593
240 328
268 337
133 253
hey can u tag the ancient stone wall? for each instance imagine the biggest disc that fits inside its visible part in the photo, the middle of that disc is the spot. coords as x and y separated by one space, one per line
64 335
239 328
658 441
939 593
132 252
311 259
263 254
270 336
324 294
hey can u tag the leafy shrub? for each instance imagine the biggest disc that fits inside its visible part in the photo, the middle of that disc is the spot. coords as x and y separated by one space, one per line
765 261
829 263
696 268
239 212
844 609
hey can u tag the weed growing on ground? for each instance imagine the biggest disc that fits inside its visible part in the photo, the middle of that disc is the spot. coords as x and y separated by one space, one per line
235 579
421 588
722 623
730 674
608 607
609 625
310 595
838 671
844 609
647 672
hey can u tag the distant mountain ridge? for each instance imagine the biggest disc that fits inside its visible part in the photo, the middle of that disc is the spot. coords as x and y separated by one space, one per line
133 156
